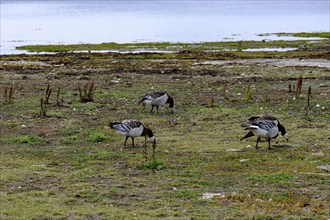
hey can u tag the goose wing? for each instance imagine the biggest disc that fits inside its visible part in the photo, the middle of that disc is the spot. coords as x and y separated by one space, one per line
125 126
266 125
151 96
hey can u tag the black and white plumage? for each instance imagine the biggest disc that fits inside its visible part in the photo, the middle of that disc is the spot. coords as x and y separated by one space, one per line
264 126
132 129
157 98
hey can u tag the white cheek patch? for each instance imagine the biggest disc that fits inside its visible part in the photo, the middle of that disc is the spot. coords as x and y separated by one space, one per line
286 136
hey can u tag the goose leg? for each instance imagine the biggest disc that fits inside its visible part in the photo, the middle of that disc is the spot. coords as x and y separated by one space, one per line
157 108
132 142
152 108
258 139
125 140
269 148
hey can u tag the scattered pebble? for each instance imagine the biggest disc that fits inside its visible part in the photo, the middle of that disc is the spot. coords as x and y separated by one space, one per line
24 126
319 154
323 85
243 160
324 167
234 150
250 147
211 195
318 105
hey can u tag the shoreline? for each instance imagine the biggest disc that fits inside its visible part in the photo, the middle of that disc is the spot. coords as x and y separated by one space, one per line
292 43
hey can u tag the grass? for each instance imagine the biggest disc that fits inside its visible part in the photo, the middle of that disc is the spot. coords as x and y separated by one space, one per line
69 165
26 139
189 50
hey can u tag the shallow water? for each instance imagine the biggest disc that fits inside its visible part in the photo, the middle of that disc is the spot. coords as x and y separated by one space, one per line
270 49
85 21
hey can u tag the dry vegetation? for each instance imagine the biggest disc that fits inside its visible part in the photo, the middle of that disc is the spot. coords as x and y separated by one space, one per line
68 165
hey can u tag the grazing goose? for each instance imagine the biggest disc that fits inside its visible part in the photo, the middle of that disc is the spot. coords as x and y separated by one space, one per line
265 126
132 129
157 98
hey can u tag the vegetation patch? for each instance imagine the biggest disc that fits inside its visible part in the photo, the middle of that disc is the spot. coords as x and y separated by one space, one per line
301 34
97 137
70 165
152 165
27 139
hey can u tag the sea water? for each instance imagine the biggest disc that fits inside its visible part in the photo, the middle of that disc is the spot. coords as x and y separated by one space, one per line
26 22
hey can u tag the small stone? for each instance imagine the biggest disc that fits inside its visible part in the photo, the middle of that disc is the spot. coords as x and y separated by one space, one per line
211 195
233 150
324 167
319 154
249 147
243 160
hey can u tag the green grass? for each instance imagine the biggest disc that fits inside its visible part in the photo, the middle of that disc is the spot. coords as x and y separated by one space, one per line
26 140
70 165
188 50
301 34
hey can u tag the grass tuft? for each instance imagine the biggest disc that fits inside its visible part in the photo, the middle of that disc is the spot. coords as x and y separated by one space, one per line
152 165
27 140
97 137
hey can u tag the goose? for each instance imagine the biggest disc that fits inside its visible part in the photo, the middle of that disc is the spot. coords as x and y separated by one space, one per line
157 98
132 128
264 126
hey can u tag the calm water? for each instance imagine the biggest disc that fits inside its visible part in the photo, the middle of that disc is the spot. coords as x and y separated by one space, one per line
96 21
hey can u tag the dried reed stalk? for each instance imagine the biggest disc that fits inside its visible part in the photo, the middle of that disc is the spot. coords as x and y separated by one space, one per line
298 86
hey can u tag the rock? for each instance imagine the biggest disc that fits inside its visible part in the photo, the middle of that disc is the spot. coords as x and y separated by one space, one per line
211 195
234 150
243 160
324 167
115 81
249 147
319 154
323 85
